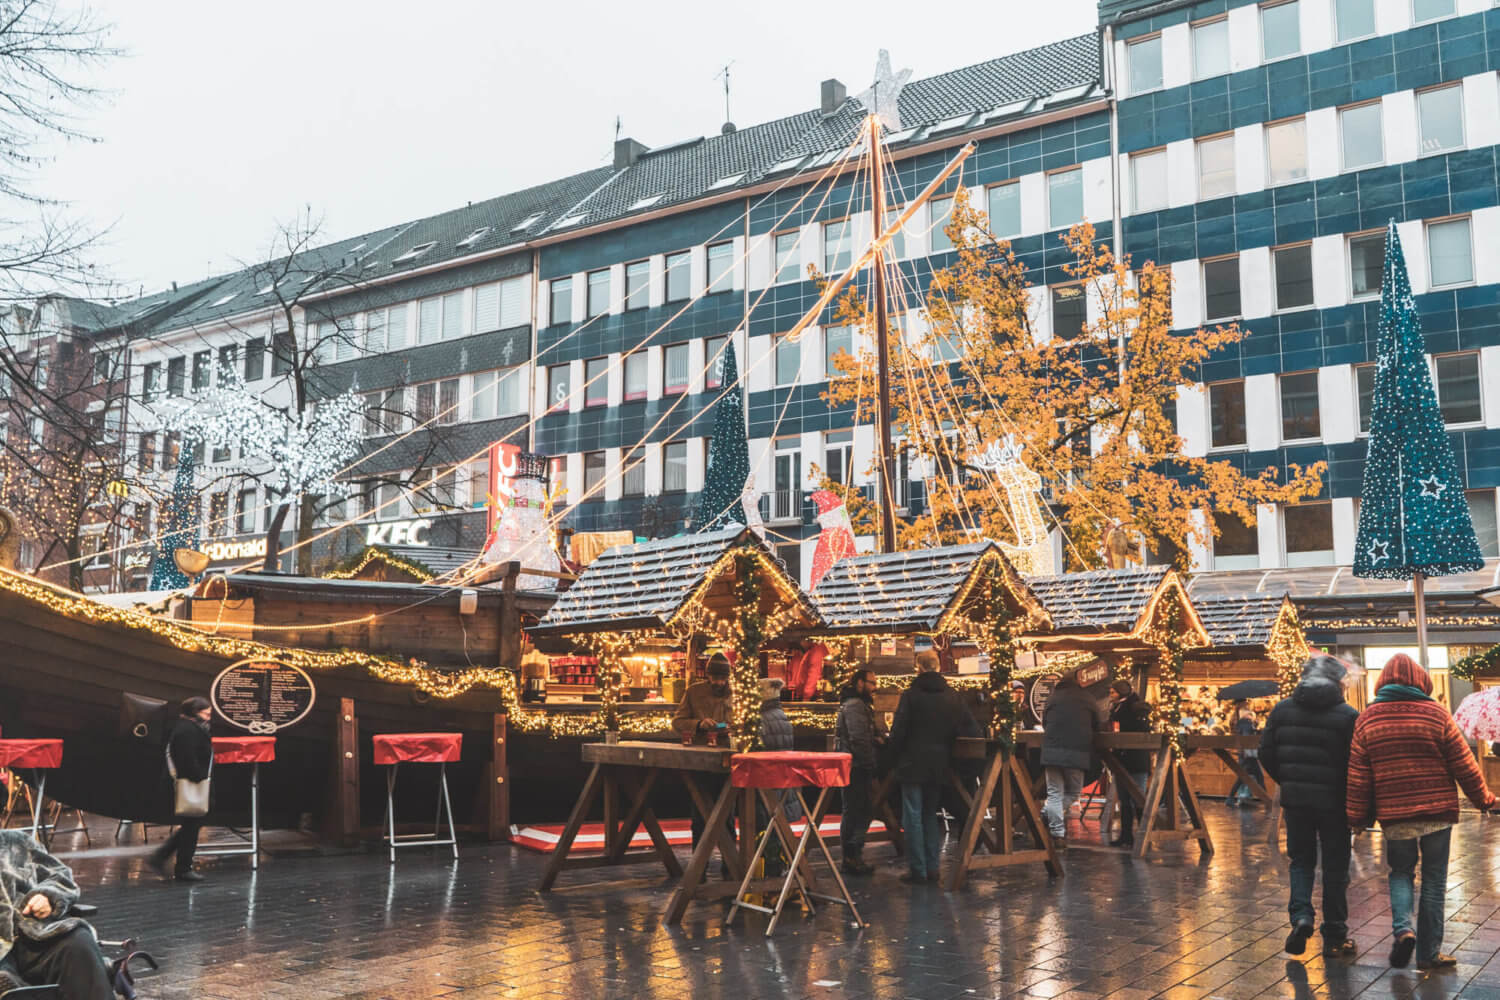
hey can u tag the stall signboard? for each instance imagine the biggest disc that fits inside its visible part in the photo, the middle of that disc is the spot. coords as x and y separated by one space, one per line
263 696
252 548
1041 690
399 532
1093 673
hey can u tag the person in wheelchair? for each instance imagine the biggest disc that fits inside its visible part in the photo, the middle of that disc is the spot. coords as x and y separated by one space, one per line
39 942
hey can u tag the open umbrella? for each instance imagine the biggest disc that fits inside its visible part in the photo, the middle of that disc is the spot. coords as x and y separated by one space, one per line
1478 715
1248 689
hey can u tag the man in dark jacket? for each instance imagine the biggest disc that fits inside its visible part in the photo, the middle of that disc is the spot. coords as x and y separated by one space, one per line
928 719
856 735
1305 750
1069 722
1131 714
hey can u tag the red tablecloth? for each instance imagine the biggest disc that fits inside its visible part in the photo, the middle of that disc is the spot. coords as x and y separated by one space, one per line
31 753
789 769
244 749
422 748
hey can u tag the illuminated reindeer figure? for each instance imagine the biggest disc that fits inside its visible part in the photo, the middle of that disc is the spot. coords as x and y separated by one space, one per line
1032 552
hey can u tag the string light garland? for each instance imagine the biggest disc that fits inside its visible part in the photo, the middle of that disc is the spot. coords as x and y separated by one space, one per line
1287 648
1471 666
356 564
751 633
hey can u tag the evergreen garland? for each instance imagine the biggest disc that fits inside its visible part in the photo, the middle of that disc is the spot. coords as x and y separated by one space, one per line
749 633
998 641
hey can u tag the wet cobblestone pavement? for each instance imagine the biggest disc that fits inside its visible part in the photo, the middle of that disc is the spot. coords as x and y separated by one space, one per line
353 926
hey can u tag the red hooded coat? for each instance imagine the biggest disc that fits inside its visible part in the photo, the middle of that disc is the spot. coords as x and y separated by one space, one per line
1407 755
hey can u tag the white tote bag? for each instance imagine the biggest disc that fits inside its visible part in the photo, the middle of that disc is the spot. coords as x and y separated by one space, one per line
189 798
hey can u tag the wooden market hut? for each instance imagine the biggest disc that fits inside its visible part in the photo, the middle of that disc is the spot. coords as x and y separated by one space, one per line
1118 615
1251 637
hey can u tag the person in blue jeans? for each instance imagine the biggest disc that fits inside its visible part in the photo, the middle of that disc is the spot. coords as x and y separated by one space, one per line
928 719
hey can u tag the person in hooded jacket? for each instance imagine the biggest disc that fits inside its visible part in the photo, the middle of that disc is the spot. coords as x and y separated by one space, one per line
928 719
1069 721
1405 759
1305 750
191 750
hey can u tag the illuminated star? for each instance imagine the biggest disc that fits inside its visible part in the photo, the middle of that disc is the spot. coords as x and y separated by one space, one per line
883 98
1431 487
1379 551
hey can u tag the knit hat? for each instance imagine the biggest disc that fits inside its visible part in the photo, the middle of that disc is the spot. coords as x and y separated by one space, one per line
1402 669
770 687
718 665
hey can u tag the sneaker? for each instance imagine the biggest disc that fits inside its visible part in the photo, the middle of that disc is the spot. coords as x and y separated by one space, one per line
189 876
1296 941
1402 949
1440 963
1340 949
912 878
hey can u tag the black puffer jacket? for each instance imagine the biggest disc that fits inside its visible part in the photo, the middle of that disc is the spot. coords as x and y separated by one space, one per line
928 719
1305 745
1133 715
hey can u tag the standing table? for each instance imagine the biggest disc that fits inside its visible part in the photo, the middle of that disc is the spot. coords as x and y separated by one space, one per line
394 749
252 750
1004 790
40 755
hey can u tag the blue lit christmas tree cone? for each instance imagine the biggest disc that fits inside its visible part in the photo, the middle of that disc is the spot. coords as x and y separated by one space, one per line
180 521
1413 517
728 453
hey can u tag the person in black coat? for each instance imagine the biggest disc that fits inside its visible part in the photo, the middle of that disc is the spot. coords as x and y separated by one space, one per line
1305 750
928 719
1069 721
1131 714
191 750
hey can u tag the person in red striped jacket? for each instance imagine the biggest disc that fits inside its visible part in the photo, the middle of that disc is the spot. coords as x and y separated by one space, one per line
1406 757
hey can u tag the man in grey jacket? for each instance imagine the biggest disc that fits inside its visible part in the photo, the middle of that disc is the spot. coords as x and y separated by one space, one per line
1069 722
39 943
856 734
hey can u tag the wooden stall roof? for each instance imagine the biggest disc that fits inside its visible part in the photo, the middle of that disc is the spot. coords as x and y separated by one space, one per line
1242 621
914 591
645 587
1113 607
317 589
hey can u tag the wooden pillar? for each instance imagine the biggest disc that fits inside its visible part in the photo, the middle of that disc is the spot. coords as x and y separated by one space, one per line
341 824
510 619
497 819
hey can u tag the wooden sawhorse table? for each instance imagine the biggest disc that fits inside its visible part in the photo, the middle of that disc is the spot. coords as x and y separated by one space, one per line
1004 788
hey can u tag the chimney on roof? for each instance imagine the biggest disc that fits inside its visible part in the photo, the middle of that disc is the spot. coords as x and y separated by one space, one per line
174 286
834 94
627 151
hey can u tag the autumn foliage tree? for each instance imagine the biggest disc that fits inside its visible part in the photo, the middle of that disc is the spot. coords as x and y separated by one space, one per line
1092 409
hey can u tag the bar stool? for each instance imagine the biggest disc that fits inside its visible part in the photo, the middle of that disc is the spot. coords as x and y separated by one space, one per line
394 749
252 750
41 756
792 770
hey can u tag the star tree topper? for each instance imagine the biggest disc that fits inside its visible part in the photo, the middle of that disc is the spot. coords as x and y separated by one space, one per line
883 97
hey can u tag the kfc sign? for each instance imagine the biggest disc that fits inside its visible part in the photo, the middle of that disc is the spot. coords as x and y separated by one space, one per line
399 533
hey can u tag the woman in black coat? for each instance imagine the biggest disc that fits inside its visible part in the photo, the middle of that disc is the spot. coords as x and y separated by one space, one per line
191 750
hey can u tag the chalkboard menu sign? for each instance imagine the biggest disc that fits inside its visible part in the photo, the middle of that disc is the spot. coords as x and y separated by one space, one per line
263 696
1041 690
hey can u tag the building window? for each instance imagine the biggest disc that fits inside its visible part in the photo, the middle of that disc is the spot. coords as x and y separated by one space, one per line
1005 209
836 340
560 292
426 403
1354 18
41 368
1280 32
675 375
218 514
1440 117
429 321
202 370
1286 151
283 353
229 362
838 456
596 382
1450 254
837 247
593 474
1064 198
946 349
714 354
104 366
1215 167
1144 59
636 368
895 248
1308 531
1226 414
786 500
176 377
496 394
1069 311
1210 49
679 284
598 301
1236 544
557 388
453 315
1363 137
1148 180
788 360
1294 284
1430 10
1221 288
787 257
637 285
222 455
790 554
395 328
150 381
1482 513
1299 407
244 512
147 452
942 211
1364 385
1457 380
487 308
1366 261
674 467
720 268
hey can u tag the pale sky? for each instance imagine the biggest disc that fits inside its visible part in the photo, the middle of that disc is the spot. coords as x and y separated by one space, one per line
225 119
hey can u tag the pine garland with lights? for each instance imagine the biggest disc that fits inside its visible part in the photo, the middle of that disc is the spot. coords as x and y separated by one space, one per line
749 633
1169 676
181 520
1470 666
728 466
355 564
998 642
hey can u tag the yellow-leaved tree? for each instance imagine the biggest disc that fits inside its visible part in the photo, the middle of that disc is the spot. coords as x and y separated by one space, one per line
980 394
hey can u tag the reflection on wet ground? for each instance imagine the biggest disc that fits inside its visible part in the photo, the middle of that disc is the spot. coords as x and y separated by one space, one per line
1171 927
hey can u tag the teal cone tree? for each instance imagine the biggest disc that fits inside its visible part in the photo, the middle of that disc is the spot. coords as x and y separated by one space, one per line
179 522
728 453
1413 517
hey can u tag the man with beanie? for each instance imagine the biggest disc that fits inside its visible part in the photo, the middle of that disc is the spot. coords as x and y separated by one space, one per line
1131 714
856 733
1406 757
1305 750
703 707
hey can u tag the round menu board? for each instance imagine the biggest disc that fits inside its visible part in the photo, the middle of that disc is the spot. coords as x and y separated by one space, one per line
1041 690
263 696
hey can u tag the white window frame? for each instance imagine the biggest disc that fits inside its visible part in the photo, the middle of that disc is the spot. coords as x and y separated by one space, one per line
1333 10
1082 208
1193 46
1431 20
1463 137
1276 278
1349 266
1271 181
1130 78
1261 26
1305 558
1208 416
1344 167
1135 187
1426 229
1198 145
1432 361
1281 377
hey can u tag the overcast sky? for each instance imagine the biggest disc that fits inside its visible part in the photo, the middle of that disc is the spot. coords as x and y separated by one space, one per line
225 119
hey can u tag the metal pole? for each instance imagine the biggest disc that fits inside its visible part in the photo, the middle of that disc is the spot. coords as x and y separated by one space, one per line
1417 590
882 349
